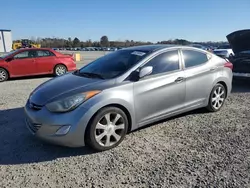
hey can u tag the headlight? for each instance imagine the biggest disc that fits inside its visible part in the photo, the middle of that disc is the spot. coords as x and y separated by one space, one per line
70 103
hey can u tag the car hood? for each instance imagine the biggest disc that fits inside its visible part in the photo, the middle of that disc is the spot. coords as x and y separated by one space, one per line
65 85
239 40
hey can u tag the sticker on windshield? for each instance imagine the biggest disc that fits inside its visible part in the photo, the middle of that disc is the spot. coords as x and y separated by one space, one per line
138 53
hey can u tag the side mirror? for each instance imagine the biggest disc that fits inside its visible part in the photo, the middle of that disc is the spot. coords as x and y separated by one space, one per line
9 59
145 71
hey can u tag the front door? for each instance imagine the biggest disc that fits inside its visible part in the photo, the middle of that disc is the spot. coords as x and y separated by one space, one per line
163 91
23 64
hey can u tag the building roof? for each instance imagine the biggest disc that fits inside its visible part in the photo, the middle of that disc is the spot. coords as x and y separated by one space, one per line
5 30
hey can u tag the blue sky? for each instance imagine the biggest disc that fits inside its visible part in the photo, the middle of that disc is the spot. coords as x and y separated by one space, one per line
146 20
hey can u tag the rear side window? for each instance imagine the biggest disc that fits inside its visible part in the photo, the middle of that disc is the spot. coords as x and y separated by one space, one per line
194 58
165 62
44 53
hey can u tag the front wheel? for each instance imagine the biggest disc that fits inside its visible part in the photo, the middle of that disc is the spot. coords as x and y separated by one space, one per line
107 129
3 75
60 70
217 98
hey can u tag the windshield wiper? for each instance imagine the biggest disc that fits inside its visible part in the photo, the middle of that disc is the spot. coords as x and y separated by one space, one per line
90 74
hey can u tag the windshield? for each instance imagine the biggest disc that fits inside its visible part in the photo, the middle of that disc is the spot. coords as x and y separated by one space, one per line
6 55
113 64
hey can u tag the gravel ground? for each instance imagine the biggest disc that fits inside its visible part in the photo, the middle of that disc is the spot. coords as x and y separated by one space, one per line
197 149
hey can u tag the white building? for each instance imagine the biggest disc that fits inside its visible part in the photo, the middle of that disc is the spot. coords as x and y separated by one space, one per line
5 40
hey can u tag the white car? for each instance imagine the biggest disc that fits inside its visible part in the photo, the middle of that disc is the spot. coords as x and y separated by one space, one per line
224 51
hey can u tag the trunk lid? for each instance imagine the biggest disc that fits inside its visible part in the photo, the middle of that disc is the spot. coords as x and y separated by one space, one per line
240 43
239 40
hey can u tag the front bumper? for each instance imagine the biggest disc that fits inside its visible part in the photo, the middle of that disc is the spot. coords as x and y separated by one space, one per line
44 124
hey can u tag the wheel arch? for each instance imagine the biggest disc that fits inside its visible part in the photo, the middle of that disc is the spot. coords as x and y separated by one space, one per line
225 85
122 107
60 64
225 82
5 70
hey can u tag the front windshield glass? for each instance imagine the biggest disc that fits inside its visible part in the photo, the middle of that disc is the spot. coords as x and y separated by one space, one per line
6 55
114 64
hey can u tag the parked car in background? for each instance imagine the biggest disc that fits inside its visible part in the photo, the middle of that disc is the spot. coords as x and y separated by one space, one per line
125 90
224 51
240 42
35 61
198 46
113 49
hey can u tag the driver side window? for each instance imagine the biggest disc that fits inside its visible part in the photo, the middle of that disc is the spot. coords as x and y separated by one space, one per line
165 62
22 55
25 54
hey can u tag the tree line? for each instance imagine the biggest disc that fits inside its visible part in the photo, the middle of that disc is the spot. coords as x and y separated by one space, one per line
104 42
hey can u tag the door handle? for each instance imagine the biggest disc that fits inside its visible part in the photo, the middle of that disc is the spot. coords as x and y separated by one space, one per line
213 68
179 79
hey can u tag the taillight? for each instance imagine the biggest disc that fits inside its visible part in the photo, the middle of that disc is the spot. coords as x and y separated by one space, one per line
228 64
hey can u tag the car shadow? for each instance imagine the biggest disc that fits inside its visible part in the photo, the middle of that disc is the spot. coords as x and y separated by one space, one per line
30 77
241 85
238 86
18 146
197 111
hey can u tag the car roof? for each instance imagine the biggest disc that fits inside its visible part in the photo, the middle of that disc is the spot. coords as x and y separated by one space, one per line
36 49
150 48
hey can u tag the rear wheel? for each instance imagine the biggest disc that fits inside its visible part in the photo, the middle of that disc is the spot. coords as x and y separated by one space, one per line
3 75
217 98
60 70
107 129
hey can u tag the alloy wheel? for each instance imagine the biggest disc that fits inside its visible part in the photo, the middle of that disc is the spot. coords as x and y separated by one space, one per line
218 97
60 70
3 75
109 129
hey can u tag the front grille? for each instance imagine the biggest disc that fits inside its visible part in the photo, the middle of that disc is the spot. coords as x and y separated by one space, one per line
33 127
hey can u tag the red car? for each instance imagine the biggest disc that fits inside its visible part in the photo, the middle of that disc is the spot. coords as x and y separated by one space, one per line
35 61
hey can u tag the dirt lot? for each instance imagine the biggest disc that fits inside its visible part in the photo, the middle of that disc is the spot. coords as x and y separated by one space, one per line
196 149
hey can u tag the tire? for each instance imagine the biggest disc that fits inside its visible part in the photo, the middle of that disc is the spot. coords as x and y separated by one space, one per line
60 70
4 75
221 91
106 132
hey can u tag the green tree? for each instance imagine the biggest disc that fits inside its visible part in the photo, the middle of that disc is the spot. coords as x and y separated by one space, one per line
89 43
104 41
76 42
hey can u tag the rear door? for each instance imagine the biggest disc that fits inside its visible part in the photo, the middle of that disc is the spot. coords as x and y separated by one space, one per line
45 61
23 63
200 74
163 91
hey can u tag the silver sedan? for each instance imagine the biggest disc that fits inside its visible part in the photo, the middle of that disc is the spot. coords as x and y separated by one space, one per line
125 90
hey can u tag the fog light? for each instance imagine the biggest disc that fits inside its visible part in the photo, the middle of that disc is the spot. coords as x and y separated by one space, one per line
63 130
